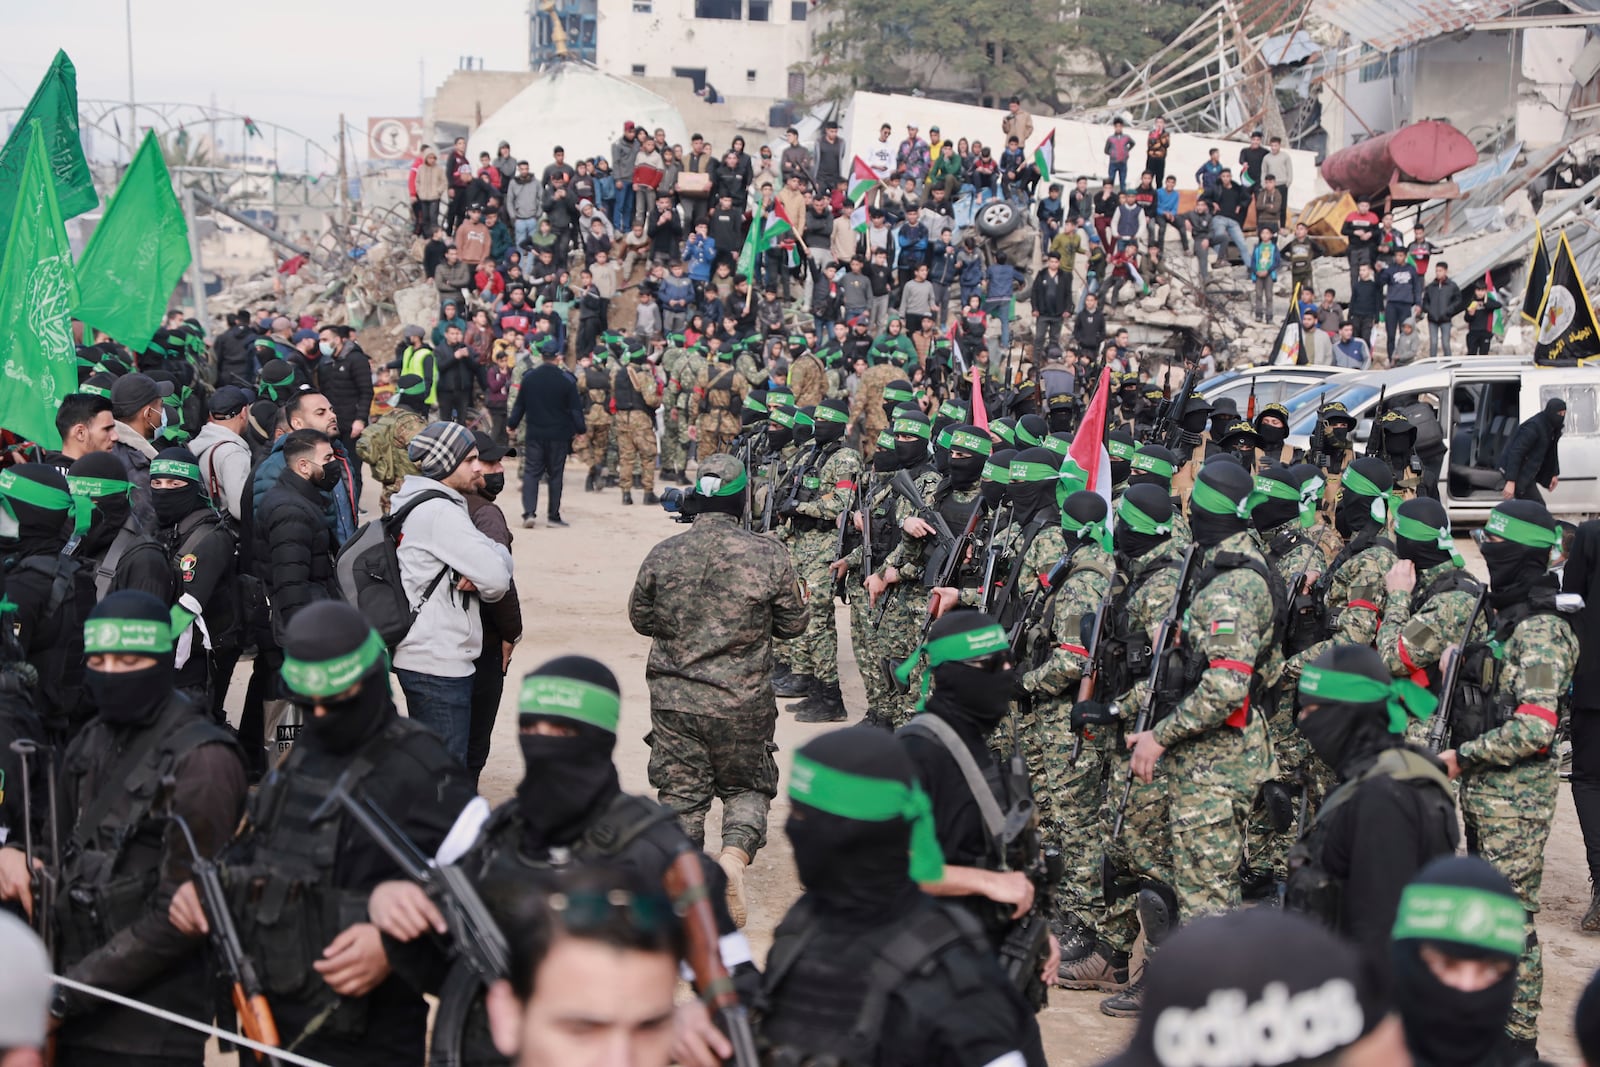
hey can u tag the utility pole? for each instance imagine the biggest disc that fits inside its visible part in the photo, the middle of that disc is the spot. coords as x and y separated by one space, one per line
343 181
197 280
133 114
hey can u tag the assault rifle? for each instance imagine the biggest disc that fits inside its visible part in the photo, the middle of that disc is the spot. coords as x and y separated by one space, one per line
249 997
45 878
1091 675
1169 431
685 883
949 568
991 553
1439 727
1033 608
841 588
477 937
1375 442
903 486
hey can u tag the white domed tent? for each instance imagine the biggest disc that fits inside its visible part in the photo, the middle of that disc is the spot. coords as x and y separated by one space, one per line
578 107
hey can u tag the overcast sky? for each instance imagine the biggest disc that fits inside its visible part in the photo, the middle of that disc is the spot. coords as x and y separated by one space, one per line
297 63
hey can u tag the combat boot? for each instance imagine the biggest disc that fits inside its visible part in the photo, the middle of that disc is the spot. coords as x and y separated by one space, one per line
828 706
811 696
591 484
1076 938
1590 923
733 861
787 684
627 497
650 497
638 481
611 481
1102 969
1126 1004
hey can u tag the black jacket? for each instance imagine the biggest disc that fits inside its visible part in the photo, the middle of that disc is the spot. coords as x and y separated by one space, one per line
294 548
1531 455
1582 576
1231 202
548 401
347 383
1089 331
1051 295
236 362
458 374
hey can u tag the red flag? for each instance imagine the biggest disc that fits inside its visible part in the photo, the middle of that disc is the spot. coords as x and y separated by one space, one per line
1088 452
980 416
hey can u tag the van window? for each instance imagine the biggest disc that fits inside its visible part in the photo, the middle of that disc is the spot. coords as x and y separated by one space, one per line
1582 413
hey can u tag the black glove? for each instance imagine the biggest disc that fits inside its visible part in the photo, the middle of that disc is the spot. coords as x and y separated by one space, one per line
1091 712
1018 690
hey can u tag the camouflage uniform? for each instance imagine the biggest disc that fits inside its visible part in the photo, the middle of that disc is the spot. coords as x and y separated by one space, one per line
595 385
866 410
1327 540
885 704
636 426
907 611
1509 779
1416 631
750 369
1217 754
1072 796
674 428
808 380
686 399
712 599
721 390
383 446
829 489
1356 593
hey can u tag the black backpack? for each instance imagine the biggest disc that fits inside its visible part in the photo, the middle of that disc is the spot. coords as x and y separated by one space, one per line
367 570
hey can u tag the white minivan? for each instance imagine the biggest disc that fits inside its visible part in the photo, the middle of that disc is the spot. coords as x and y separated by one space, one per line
1479 401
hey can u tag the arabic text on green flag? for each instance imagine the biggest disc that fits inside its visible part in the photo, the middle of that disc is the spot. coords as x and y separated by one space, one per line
55 106
137 254
38 362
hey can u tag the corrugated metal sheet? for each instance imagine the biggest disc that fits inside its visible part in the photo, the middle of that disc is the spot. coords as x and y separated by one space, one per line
1286 50
1389 24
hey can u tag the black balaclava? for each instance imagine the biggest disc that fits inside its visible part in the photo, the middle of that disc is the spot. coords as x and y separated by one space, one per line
1082 513
1352 514
1120 441
1342 733
779 435
1222 416
1399 440
966 470
1272 437
1274 511
41 528
854 867
832 418
1518 571
1555 413
1030 498
1153 502
805 424
996 476
328 649
1424 554
568 779
886 457
1463 907
262 422
1031 430
129 622
911 453
111 510
975 692
896 393
173 505
1220 491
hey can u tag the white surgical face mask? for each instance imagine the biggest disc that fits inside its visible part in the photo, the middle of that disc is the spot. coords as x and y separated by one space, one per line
325 348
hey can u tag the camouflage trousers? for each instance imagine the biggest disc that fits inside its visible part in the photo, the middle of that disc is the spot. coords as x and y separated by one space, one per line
1142 852
882 699
896 639
1068 796
1508 813
818 648
696 758
596 443
1211 783
674 440
714 436
636 449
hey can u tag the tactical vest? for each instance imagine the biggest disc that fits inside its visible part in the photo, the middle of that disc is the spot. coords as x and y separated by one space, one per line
1454 580
825 995
111 865
597 386
414 361
804 485
955 513
720 395
627 397
282 897
1311 889
1127 658
1313 621
1479 705
1191 663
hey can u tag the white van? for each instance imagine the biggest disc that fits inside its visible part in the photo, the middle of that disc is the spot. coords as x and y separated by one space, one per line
1479 401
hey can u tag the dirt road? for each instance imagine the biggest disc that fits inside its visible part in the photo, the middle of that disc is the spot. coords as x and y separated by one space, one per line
574 586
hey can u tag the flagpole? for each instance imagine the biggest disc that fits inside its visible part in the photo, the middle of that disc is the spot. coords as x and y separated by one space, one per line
133 115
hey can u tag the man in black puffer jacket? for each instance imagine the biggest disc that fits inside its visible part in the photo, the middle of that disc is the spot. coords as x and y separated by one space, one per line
294 546
346 380
234 350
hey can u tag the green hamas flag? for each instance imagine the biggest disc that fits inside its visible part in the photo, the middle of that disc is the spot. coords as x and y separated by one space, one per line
55 106
137 254
38 361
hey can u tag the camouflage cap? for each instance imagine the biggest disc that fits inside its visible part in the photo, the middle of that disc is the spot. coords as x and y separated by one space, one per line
719 475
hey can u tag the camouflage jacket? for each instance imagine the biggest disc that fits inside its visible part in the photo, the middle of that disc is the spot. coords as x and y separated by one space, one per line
1412 642
712 599
835 487
866 410
808 380
1154 587
1090 575
383 445
1040 558
1356 592
1296 552
908 553
1536 665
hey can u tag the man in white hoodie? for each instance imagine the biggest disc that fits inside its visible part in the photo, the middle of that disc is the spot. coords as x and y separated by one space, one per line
221 451
447 566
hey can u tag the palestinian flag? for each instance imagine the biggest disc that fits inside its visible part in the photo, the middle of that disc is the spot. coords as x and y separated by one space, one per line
1538 276
1044 157
858 218
1088 464
862 179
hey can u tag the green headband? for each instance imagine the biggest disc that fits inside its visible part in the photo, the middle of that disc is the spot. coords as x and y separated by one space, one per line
953 411
94 390
174 468
1098 531
1463 915
828 413
1216 502
568 698
977 444
898 396
729 488
325 678
1417 530
1310 493
1401 697
15 487
414 390
1500 524
1004 430
995 472
1027 438
782 418
1273 489
943 440
1055 444
141 637
1361 485
1130 516
913 427
1120 449
952 648
1144 461
863 799
95 488
885 441
752 404
1023 470
802 419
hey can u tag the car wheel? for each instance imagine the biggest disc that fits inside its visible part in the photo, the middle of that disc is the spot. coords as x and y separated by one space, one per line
998 218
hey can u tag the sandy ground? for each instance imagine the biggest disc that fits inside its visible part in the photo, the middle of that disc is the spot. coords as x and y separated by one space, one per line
574 586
